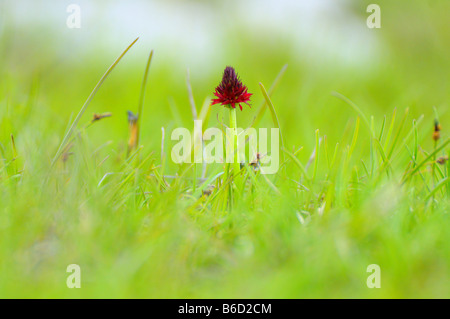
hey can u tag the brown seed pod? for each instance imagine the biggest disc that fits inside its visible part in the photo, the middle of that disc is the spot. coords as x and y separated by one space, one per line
442 160
133 131
97 116
437 130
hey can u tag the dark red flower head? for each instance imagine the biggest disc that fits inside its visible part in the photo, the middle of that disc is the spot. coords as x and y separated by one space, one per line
231 91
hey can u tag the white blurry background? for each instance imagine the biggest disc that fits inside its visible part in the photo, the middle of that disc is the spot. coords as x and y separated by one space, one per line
196 33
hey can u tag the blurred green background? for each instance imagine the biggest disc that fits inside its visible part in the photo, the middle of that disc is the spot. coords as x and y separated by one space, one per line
47 71
327 47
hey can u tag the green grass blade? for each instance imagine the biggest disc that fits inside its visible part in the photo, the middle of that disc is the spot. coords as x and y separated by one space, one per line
142 94
437 187
397 136
435 151
355 137
272 111
316 155
391 128
356 108
272 88
382 129
88 101
297 162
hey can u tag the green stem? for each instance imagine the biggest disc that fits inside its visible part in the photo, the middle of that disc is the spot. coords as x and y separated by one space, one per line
233 125
194 187
433 168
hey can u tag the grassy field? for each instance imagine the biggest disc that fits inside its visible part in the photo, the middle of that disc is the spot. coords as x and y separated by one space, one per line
362 180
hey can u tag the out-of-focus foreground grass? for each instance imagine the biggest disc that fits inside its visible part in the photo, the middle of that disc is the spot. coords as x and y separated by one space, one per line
134 237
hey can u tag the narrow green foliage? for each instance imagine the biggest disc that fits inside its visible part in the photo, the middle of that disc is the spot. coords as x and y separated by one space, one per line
142 95
262 108
88 101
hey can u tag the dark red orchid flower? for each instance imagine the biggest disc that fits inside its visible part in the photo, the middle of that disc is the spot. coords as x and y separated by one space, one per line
231 91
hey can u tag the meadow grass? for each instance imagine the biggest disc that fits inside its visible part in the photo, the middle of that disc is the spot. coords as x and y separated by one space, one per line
361 180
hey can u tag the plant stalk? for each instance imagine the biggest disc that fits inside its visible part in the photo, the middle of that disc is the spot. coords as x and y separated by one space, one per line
233 125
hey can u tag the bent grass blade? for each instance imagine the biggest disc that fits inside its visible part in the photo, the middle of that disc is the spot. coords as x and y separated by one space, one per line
86 104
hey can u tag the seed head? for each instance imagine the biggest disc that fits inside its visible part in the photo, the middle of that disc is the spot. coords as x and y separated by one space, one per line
437 130
133 129
97 117
442 160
